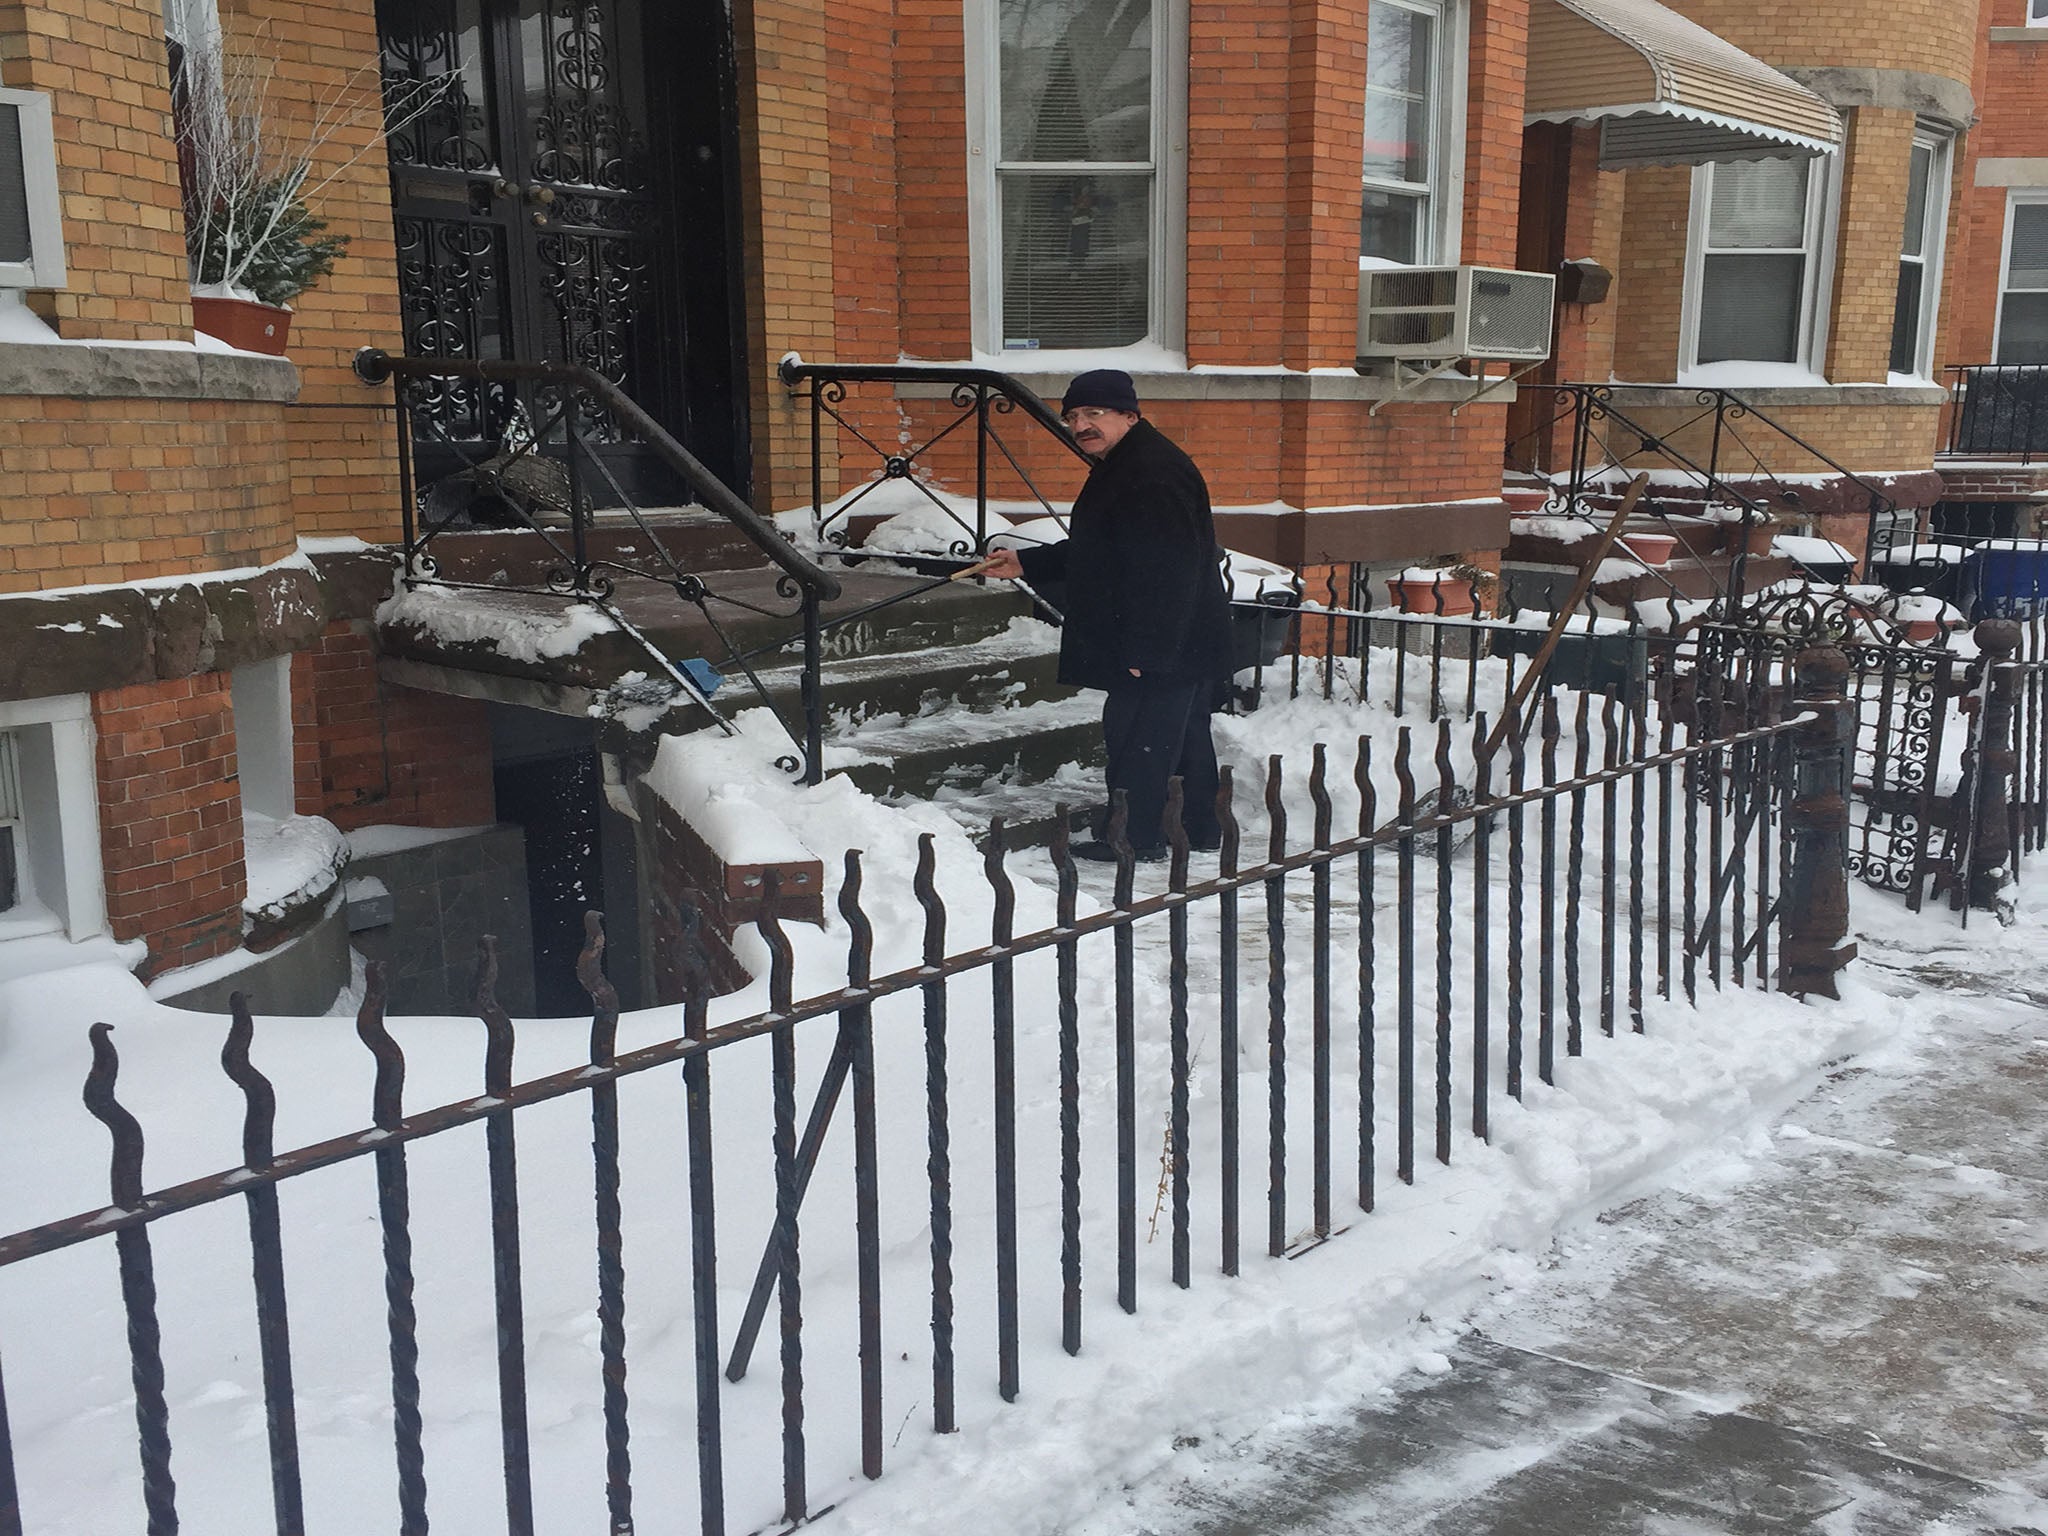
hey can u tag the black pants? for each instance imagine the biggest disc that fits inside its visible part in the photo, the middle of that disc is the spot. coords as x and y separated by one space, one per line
1155 731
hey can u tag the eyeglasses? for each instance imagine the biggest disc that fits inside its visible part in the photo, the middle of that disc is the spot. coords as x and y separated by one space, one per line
1082 413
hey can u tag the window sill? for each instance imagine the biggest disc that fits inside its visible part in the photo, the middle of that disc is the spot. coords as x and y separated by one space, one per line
1779 395
105 370
1256 383
2019 34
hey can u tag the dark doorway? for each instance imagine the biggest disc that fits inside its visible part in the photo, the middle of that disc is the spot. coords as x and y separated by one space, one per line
568 198
1534 438
579 853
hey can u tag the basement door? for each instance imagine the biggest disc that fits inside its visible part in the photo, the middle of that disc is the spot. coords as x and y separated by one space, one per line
539 208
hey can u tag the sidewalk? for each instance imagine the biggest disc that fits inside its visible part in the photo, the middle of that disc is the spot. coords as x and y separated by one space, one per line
1839 1327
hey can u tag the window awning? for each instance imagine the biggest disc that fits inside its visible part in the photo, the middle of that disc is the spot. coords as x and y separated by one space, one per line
1664 89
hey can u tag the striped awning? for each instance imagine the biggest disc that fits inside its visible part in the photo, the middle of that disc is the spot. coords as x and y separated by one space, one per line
1664 89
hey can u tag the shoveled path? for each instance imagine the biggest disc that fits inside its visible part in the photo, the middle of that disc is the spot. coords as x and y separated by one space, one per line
1845 1332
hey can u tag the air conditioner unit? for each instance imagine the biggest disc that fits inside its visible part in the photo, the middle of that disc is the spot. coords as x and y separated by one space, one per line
1454 312
31 229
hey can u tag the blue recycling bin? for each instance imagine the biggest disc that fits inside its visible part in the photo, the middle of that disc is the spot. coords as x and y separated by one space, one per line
2008 579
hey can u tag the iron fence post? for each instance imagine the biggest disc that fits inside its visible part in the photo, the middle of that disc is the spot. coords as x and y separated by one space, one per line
1987 769
1815 944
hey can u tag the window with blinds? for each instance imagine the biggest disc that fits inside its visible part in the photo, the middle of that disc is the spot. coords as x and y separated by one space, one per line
2023 306
1919 257
1403 108
1756 261
1076 181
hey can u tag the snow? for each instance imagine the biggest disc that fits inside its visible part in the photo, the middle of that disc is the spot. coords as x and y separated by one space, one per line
369 842
1213 1359
289 861
529 636
1811 551
1915 554
1739 374
1560 530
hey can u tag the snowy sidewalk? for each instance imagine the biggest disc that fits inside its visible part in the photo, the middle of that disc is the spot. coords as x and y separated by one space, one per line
1838 1327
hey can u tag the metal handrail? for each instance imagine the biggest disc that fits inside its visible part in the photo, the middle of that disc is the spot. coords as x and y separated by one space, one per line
972 391
810 583
374 366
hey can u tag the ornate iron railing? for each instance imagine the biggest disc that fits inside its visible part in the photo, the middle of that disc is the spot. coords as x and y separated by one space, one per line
1630 863
978 399
1598 414
552 499
1999 410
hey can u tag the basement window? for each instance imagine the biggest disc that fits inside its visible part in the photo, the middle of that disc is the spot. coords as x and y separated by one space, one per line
50 877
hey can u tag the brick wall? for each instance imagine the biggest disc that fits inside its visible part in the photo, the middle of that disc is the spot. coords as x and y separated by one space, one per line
2012 85
344 475
103 64
171 818
1241 211
117 490
786 200
1867 242
1649 283
367 753
1928 36
1493 128
1325 148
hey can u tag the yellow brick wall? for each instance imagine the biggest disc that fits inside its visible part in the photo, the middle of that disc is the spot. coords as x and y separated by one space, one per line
118 490
1868 237
1649 283
343 466
1868 439
1931 36
102 62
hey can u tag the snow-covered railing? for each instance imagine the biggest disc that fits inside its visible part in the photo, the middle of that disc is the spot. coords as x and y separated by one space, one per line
1585 880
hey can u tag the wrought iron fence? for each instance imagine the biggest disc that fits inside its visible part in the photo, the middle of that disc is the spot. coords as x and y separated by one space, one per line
1549 883
1610 428
1999 410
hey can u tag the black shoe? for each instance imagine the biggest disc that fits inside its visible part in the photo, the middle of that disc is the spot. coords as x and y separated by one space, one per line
1102 853
1206 844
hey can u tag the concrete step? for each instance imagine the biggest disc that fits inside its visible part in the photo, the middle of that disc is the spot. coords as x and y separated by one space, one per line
906 758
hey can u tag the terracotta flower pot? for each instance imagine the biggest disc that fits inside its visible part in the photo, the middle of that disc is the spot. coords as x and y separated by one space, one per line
242 323
1651 548
1447 596
1921 631
1523 502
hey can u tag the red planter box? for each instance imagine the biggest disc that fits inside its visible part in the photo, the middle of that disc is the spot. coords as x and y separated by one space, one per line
241 323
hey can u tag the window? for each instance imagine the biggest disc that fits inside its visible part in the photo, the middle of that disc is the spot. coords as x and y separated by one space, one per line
2037 13
1080 211
1920 257
1408 213
2023 306
1755 259
49 820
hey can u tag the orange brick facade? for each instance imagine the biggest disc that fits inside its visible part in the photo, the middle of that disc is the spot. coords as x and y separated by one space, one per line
2013 70
171 818
367 753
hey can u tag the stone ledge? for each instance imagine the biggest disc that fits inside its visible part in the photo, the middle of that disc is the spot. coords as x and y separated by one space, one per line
1656 396
2019 34
1278 384
114 371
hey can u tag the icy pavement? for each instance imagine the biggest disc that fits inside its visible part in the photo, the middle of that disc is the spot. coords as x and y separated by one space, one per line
1834 1327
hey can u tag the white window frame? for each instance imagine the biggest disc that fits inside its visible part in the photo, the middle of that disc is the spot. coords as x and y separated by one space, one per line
1166 297
2015 197
1823 198
1443 229
45 265
60 860
2037 13
1933 243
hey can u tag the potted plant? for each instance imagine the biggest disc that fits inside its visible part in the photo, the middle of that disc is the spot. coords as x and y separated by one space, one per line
1448 591
253 177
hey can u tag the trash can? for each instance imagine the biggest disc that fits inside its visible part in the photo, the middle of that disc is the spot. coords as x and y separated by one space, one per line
2007 579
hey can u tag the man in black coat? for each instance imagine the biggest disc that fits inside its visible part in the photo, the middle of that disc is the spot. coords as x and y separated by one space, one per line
1147 619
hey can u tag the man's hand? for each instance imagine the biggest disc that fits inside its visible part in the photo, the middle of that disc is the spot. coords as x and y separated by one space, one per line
1136 673
1004 565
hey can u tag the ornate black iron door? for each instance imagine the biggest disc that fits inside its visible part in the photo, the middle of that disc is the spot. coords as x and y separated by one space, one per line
524 213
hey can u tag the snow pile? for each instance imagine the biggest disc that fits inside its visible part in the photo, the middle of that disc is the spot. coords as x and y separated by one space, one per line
290 862
454 618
